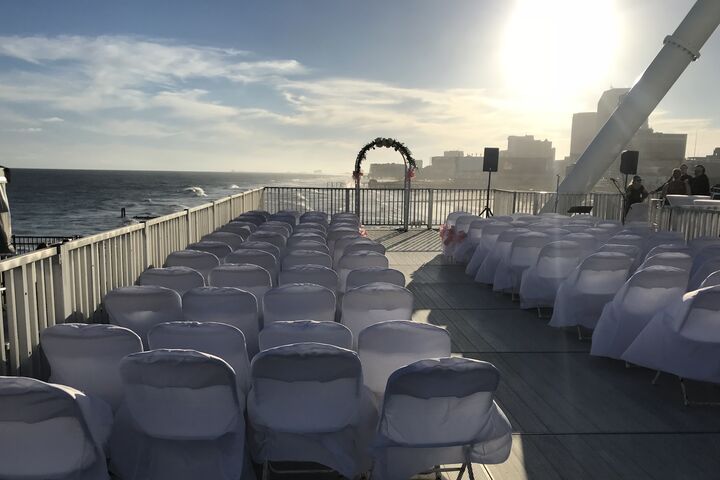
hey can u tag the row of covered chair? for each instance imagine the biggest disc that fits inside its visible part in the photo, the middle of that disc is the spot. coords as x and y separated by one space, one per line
348 395
623 282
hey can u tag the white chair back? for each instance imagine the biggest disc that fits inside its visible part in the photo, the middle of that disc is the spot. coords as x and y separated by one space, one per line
299 301
312 245
316 274
219 249
198 260
140 308
261 258
251 278
306 257
277 334
388 346
241 229
44 433
363 276
230 239
273 238
374 303
180 279
262 246
360 259
87 357
219 339
228 305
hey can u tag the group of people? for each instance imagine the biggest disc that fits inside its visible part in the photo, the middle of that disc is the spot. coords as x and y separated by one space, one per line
680 183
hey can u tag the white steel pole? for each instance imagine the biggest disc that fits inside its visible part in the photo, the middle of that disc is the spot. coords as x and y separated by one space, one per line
679 49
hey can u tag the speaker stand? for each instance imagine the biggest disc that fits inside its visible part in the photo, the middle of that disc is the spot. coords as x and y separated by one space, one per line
487 212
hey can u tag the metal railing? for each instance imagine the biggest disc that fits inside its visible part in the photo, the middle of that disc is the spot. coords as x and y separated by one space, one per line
30 243
428 207
68 282
692 220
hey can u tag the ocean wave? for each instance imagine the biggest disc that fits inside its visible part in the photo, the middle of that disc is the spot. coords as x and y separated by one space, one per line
234 187
197 191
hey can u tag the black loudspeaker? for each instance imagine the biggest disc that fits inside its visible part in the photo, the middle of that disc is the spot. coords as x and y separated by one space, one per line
629 162
490 159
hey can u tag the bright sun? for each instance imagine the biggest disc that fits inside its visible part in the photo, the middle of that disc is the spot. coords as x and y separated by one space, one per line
556 51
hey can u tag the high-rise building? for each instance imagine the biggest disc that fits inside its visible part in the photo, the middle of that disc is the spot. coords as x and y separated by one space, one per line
659 152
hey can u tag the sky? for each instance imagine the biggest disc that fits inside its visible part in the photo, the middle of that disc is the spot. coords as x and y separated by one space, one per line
302 85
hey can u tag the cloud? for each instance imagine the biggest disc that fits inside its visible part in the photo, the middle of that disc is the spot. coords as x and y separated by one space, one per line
52 120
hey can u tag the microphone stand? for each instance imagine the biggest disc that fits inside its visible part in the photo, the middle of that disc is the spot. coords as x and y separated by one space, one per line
624 201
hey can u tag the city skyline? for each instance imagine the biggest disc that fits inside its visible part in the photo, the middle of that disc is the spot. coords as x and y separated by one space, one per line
301 86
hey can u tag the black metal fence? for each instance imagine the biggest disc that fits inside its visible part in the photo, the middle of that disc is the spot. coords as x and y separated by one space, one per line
30 243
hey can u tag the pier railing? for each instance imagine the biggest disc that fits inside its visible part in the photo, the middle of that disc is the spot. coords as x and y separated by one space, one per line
692 220
67 282
429 206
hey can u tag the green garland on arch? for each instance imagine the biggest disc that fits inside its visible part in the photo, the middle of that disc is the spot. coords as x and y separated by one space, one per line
385 143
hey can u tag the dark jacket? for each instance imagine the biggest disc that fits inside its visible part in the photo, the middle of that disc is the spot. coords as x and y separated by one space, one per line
700 185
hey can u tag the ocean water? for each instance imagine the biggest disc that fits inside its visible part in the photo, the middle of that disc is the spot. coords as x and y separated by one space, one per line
81 202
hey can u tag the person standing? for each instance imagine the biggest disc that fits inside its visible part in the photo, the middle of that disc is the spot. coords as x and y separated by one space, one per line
684 174
676 186
635 193
700 184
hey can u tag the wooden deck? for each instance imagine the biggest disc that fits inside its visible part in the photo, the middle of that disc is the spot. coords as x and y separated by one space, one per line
574 416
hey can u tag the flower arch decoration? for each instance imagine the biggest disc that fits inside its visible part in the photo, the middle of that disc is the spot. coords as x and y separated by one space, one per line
399 147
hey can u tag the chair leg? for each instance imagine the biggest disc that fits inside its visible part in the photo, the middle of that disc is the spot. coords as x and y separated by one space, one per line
461 472
656 378
265 473
438 475
470 471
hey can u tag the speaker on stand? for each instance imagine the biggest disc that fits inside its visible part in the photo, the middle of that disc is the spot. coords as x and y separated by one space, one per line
491 156
628 166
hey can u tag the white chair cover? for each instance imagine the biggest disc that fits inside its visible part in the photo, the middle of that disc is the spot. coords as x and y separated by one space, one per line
219 339
228 305
697 244
582 296
140 308
540 283
230 239
709 267
277 334
87 357
588 243
363 276
315 217
602 235
374 303
361 259
439 412
180 279
647 292
388 346
241 229
251 278
251 256
285 221
501 249
289 217
629 250
523 253
198 260
338 233
490 234
263 246
628 239
712 280
299 301
359 245
575 227
51 432
683 338
239 223
306 236
272 238
464 251
312 227
255 219
663 238
680 260
285 230
306 257
316 274
308 403
341 243
219 249
309 245
669 248
463 222
701 257
182 418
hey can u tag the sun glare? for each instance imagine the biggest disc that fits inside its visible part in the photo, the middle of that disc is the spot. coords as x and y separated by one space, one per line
556 51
